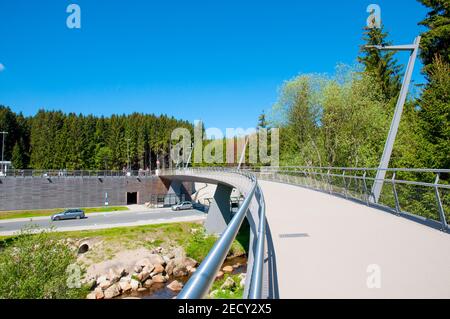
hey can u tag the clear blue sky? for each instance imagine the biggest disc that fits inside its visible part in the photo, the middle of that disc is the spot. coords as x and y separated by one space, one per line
219 61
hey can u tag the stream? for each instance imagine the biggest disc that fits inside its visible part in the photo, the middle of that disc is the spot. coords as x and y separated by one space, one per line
159 290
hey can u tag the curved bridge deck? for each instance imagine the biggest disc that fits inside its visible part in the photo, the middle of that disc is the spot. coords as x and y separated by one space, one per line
323 246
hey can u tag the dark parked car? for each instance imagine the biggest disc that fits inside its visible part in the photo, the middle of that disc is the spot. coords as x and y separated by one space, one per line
69 214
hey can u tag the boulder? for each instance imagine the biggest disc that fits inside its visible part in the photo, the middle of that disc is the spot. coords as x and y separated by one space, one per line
178 253
142 289
228 284
112 291
159 269
166 259
143 276
137 269
125 286
228 269
189 262
116 274
105 284
170 267
148 283
101 279
220 275
134 284
180 271
99 293
156 259
148 268
175 286
146 261
159 279
170 255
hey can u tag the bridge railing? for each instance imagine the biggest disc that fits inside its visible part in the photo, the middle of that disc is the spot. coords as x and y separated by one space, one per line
200 283
43 173
420 194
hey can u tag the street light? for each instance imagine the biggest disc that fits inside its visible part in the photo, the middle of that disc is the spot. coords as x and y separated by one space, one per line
3 147
384 164
128 154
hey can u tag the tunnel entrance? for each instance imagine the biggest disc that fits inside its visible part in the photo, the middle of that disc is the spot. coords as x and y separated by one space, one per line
132 198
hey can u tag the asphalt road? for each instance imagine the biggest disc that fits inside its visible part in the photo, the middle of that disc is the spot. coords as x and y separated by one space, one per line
104 220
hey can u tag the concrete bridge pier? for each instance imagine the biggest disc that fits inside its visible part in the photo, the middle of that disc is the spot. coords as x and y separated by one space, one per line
219 214
174 189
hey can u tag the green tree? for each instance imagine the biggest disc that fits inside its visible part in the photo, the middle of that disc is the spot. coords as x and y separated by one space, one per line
34 266
332 121
435 41
262 122
380 64
435 115
103 158
17 158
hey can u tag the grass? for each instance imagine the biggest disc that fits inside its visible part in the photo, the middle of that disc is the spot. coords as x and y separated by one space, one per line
49 212
190 236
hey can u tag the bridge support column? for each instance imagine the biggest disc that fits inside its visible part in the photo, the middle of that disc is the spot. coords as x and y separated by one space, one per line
175 190
219 214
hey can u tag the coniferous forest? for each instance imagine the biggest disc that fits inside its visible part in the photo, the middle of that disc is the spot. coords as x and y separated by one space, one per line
54 140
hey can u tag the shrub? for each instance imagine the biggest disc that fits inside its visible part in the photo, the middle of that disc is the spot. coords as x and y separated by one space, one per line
34 266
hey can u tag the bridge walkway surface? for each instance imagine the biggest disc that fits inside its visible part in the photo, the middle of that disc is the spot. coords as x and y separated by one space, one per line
325 246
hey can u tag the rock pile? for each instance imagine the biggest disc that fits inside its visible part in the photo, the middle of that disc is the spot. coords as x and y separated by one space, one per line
154 268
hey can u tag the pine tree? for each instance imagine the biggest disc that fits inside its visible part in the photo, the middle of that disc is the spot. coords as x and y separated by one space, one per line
17 158
381 64
262 122
435 115
436 40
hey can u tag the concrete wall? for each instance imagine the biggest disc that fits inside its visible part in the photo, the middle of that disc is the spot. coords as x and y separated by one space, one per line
63 192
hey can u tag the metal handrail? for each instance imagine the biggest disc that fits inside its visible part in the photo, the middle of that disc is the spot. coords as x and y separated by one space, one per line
418 170
309 178
201 281
255 291
398 181
46 173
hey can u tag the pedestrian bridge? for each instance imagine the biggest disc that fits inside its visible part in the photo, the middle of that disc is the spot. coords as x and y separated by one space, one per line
317 233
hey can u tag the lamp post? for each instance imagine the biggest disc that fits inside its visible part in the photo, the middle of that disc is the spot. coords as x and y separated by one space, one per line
128 154
3 148
384 164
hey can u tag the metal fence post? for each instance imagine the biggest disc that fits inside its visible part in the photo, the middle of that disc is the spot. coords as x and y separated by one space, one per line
306 179
330 187
397 203
345 184
439 204
366 192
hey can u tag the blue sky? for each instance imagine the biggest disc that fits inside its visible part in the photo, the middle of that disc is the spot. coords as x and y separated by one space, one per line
219 61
